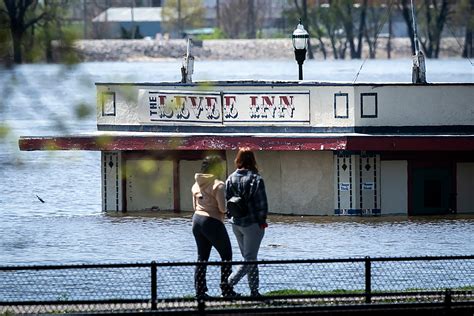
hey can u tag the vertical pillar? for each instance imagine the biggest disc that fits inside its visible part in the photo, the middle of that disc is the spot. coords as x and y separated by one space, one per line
357 183
111 181
345 183
369 184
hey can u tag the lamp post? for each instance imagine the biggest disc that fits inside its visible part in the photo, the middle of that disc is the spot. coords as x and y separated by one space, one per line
300 43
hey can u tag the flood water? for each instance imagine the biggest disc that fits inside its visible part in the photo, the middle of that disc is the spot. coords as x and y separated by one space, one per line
69 226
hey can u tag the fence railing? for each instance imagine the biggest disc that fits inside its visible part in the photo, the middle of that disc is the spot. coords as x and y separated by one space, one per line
446 281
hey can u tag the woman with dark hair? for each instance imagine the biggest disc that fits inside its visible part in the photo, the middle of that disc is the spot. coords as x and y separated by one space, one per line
248 228
208 224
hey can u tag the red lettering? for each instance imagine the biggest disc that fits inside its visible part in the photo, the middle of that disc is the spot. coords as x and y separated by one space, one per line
287 100
210 102
228 100
266 100
253 100
162 99
194 101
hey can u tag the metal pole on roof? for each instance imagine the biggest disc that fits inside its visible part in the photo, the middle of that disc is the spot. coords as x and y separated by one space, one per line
133 20
415 31
188 64
418 74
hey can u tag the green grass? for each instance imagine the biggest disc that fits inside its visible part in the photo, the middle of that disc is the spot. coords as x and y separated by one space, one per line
312 292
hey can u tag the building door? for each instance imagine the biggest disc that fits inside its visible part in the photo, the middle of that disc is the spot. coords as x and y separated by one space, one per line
432 190
149 184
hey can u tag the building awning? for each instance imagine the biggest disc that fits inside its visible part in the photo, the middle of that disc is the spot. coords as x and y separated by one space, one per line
109 141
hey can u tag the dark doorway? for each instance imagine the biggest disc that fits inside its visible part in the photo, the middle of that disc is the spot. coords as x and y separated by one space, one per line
432 189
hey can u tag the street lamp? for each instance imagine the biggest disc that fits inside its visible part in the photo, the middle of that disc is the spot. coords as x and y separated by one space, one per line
300 43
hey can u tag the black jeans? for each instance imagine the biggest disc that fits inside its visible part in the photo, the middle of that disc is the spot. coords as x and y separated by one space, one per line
210 232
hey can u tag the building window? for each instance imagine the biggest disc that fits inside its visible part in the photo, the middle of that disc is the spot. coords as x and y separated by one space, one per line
368 105
108 103
341 105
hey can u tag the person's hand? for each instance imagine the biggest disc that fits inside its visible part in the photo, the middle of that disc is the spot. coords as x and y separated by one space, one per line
263 226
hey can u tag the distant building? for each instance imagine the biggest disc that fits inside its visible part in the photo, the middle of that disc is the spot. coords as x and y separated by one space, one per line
128 22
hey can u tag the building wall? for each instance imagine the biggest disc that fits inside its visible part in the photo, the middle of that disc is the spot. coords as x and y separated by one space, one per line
329 106
406 105
332 106
394 191
465 187
296 182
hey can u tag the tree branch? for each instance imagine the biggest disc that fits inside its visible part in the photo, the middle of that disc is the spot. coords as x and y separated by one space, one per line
35 20
298 8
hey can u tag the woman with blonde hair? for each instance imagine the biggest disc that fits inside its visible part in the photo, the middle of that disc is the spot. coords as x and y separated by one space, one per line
248 227
208 224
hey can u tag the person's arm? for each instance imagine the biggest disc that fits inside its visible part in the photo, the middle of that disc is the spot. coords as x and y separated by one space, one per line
261 203
194 198
220 197
228 190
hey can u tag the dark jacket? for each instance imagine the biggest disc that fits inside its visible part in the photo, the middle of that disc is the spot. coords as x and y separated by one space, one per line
253 188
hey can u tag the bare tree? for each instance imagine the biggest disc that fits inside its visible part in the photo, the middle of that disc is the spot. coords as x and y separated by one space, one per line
251 29
22 15
390 30
333 28
433 17
179 15
254 12
376 18
347 14
303 12
406 13
463 18
232 12
5 42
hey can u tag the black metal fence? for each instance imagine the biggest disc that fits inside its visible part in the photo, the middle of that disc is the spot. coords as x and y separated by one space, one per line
445 282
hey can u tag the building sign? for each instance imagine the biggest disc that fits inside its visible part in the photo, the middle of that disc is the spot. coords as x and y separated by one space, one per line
176 106
344 186
269 107
369 186
223 107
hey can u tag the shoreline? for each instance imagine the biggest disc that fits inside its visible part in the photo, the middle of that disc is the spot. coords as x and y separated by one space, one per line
254 49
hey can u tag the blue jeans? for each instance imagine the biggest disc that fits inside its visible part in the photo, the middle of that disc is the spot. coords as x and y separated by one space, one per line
249 239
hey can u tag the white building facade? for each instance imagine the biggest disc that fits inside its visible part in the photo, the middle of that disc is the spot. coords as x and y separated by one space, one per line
322 148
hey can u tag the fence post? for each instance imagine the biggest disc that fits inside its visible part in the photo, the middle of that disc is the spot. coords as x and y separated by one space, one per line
447 299
201 307
368 280
153 286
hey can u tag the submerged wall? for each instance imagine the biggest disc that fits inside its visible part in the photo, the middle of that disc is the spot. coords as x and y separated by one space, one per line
299 183
465 187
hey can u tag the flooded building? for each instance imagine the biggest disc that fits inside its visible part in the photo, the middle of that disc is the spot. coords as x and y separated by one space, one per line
322 148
